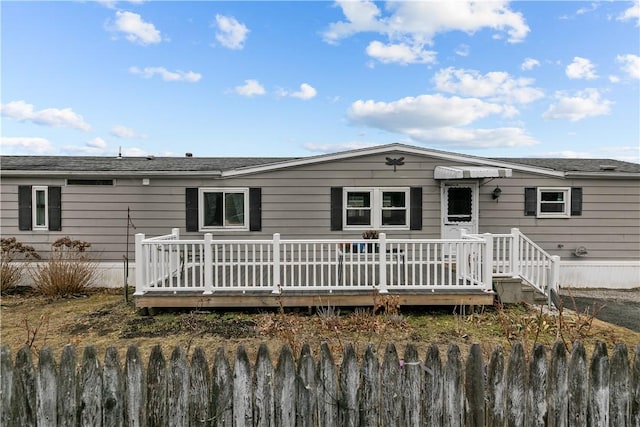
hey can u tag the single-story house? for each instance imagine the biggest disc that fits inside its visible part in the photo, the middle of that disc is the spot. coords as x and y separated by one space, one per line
586 211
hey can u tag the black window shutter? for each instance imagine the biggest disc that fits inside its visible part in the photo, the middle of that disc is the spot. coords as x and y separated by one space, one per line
336 208
415 209
24 207
576 201
55 208
530 201
191 205
255 209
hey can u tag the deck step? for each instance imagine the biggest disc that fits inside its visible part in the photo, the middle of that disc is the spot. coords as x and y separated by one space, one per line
512 290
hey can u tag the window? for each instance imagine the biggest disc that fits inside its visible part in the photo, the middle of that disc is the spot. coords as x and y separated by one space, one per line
39 203
39 208
223 208
376 208
553 202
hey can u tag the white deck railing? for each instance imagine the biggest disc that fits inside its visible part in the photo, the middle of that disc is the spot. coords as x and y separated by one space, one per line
168 263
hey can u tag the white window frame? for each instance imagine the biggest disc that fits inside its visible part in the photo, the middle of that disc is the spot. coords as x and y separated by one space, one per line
376 207
34 207
566 202
201 206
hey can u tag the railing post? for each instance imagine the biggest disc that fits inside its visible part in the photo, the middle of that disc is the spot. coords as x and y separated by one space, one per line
382 253
488 261
208 264
514 256
554 280
276 263
174 250
141 280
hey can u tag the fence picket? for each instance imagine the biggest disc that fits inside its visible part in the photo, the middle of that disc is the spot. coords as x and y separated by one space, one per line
474 388
306 389
558 400
90 389
390 388
242 407
156 407
370 388
634 389
6 384
411 387
46 389
222 391
619 387
349 383
537 388
453 388
23 394
177 388
112 390
199 387
515 387
598 411
263 411
327 388
285 389
68 387
578 397
495 389
432 393
134 388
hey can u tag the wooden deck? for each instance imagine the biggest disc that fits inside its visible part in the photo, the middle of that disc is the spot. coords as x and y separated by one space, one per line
267 299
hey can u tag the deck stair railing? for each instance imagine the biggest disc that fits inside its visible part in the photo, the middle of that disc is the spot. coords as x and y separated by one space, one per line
171 264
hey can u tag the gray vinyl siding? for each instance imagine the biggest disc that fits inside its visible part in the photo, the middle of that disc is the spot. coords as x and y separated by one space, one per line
296 204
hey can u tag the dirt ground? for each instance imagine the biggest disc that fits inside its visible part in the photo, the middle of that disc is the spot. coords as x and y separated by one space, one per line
102 319
619 307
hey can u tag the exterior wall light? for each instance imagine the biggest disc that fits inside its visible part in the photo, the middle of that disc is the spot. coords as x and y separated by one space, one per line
496 193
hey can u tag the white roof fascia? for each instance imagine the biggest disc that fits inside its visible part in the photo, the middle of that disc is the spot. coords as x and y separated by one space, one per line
453 157
159 174
618 175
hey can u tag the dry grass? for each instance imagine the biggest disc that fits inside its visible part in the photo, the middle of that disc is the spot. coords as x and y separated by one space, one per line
102 319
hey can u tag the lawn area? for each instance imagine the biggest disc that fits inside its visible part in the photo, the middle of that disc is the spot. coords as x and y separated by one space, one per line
102 318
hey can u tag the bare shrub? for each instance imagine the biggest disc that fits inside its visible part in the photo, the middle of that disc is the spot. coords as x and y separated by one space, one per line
69 271
15 257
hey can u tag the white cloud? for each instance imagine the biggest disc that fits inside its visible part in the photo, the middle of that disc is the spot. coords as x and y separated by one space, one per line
231 33
166 75
20 144
416 23
306 92
97 143
400 53
250 88
124 132
475 138
135 29
495 85
463 50
631 14
335 148
581 68
587 103
54 117
529 64
630 65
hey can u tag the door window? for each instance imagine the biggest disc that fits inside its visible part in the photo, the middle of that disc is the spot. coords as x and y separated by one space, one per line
459 204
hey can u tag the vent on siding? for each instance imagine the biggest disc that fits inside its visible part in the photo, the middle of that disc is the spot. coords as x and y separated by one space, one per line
89 181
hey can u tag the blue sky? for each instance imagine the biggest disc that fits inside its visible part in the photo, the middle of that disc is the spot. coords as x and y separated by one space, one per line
508 79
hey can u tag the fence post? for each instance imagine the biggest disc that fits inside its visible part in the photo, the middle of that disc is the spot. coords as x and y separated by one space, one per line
382 254
208 264
514 255
276 263
141 279
487 278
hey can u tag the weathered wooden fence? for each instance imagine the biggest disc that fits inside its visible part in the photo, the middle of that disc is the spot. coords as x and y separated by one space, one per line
562 390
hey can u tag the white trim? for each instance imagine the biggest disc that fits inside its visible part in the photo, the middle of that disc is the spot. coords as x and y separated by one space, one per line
223 190
605 274
566 202
376 207
34 207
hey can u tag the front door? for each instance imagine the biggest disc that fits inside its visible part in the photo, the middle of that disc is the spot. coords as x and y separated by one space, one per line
459 209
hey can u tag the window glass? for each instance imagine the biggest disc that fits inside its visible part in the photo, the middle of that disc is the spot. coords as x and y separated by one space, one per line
459 204
359 200
394 208
41 208
213 210
376 207
234 209
393 199
553 201
359 208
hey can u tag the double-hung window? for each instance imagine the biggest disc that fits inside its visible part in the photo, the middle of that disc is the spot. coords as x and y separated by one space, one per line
554 202
377 208
40 211
224 208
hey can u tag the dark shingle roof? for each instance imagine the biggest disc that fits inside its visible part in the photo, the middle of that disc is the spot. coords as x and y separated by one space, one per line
577 165
132 164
